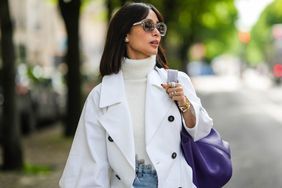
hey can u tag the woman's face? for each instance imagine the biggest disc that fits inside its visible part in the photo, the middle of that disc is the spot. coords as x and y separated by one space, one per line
142 44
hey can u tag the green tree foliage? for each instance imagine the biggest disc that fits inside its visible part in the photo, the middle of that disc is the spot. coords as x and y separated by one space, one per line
191 21
211 22
260 48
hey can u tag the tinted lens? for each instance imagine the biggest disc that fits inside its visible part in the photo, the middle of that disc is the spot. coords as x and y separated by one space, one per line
161 27
148 25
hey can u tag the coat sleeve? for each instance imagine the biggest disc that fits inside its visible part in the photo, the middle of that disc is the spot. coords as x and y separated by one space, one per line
87 163
203 122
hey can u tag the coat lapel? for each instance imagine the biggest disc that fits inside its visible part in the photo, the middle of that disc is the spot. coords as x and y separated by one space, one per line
116 120
157 104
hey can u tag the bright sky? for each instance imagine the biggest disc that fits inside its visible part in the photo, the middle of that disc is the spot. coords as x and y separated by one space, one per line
249 12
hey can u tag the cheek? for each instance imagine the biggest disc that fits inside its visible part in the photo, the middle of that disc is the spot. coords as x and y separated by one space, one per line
138 36
138 41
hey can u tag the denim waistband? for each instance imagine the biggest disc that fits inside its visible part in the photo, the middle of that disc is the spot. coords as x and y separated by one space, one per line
145 169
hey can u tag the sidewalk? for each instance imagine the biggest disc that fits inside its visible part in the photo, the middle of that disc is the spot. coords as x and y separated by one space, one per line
46 147
250 79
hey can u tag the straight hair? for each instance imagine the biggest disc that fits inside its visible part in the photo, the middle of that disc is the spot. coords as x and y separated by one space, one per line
119 27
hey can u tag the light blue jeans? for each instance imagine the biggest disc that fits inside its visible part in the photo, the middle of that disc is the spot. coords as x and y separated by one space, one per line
146 177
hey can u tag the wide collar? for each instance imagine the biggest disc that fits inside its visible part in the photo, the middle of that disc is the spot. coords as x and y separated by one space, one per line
113 90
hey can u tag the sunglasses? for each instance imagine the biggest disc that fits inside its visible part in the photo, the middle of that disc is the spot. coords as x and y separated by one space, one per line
149 26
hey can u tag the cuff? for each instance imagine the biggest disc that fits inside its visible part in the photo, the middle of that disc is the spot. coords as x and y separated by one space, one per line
203 123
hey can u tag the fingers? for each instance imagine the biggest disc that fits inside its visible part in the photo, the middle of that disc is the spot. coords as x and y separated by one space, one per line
171 85
175 91
165 86
180 99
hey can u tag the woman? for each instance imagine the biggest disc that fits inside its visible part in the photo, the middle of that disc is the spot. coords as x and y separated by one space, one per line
129 130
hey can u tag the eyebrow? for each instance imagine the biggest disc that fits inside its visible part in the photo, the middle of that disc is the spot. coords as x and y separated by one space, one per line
158 21
154 21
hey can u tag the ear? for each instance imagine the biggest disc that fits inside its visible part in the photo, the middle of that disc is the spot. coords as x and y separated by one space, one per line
126 38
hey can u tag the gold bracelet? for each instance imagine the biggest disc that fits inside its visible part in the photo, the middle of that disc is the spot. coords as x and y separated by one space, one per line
186 106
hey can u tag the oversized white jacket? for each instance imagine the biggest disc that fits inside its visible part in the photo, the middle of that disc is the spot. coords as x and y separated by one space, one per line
103 154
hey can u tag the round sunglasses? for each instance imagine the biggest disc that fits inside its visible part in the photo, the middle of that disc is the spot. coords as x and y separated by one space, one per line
149 26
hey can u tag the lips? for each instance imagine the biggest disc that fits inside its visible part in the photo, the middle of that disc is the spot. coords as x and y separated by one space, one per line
155 43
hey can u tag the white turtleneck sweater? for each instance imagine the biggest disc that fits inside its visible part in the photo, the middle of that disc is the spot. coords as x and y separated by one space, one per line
135 80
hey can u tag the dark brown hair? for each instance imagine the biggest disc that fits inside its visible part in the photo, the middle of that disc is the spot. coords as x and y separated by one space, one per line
119 27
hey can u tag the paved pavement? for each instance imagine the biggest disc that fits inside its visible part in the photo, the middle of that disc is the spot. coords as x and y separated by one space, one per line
46 148
247 113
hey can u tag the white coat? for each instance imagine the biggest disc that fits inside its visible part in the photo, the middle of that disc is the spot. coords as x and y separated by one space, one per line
103 154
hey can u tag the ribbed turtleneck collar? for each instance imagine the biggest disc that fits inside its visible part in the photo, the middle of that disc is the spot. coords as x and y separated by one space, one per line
134 69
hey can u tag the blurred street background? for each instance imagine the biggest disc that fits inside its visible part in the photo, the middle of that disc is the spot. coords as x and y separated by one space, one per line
49 59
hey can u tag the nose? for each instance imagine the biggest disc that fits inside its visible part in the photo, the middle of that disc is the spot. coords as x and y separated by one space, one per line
156 32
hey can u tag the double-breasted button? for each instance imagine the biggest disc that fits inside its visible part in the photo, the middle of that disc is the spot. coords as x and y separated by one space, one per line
170 118
110 139
173 155
117 177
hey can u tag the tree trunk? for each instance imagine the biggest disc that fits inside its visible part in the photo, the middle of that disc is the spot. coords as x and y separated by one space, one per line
183 56
70 11
12 151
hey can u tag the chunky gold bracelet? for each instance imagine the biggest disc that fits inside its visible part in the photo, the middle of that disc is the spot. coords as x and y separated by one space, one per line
186 106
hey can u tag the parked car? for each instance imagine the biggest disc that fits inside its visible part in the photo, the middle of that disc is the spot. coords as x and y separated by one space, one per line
47 104
24 108
37 103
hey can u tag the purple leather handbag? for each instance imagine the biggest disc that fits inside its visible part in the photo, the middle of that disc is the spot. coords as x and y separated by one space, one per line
209 159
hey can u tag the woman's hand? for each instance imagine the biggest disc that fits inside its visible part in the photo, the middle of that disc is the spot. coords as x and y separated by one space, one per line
175 92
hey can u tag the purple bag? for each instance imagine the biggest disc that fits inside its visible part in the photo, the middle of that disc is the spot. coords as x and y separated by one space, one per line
209 159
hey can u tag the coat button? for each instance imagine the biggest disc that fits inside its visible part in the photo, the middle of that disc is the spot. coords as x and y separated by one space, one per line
117 177
173 155
170 118
110 139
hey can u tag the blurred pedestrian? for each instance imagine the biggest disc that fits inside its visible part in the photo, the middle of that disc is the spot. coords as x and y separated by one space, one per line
129 130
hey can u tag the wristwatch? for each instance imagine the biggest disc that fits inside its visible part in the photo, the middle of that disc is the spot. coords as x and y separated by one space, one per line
186 106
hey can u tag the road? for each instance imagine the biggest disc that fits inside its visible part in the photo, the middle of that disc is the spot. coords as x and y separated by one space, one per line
250 119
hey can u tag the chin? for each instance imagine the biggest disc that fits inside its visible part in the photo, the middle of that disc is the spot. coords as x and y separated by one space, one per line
155 52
